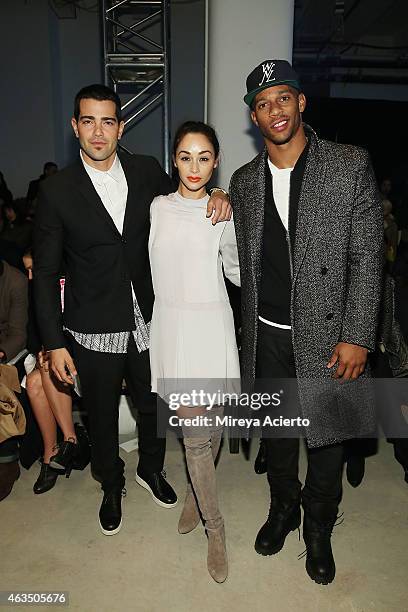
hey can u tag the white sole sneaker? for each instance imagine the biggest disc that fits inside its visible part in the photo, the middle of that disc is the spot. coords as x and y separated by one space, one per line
144 484
113 532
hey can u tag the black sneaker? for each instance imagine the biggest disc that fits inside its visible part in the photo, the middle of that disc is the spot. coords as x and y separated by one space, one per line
163 493
110 513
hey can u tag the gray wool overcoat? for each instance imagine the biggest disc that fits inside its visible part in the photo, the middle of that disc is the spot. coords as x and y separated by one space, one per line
337 263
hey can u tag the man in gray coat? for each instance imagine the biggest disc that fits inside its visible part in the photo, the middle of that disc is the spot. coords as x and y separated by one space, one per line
308 221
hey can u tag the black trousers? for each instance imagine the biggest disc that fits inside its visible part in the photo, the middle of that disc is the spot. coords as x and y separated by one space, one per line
101 376
323 483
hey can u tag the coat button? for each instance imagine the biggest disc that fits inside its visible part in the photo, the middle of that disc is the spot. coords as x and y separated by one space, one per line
323 270
329 316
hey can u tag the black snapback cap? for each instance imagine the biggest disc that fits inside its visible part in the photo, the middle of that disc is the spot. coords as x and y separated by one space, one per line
268 74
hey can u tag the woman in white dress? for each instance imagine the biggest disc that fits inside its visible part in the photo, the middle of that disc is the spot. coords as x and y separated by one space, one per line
193 345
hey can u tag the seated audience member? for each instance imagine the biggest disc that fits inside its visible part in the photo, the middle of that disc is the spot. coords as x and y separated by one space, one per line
386 188
13 323
16 228
49 169
389 361
51 403
13 311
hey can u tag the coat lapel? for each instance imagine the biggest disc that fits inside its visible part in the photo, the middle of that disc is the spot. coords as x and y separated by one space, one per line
87 189
256 209
309 199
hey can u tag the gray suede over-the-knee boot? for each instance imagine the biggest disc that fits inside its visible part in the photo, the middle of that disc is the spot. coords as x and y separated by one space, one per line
200 464
190 514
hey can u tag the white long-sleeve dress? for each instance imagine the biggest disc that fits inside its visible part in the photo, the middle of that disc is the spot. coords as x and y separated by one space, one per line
192 337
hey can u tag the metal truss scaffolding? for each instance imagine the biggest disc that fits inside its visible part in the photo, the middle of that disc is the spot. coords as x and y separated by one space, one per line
136 37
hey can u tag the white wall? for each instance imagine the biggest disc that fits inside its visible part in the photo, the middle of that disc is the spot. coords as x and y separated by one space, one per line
241 35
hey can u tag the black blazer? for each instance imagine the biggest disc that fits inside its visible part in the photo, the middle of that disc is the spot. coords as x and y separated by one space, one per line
74 231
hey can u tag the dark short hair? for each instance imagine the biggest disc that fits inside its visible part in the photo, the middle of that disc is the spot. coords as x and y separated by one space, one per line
97 92
196 127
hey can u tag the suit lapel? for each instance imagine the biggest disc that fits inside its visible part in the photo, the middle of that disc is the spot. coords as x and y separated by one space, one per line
132 179
87 189
309 200
256 209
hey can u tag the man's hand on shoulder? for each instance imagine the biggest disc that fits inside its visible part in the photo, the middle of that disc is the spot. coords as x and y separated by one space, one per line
62 365
351 360
219 206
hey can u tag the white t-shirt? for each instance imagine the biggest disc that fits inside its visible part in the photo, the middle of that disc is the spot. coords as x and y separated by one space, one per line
281 187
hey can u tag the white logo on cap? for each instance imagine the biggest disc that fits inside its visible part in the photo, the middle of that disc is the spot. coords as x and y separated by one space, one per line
267 70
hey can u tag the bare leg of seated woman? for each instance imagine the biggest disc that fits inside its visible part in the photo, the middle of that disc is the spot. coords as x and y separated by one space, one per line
202 444
60 401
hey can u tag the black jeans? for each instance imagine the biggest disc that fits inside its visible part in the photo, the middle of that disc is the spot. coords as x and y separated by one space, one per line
323 483
101 376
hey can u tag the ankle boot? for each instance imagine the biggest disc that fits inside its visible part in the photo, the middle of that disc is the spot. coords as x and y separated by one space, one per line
65 456
318 524
46 479
284 517
190 515
201 468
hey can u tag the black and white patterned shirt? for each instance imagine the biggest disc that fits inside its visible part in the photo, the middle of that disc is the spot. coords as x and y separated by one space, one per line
111 186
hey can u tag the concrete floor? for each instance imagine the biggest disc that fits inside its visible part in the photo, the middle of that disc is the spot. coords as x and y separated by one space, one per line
52 542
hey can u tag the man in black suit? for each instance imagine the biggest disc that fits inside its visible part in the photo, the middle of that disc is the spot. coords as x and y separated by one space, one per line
94 217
